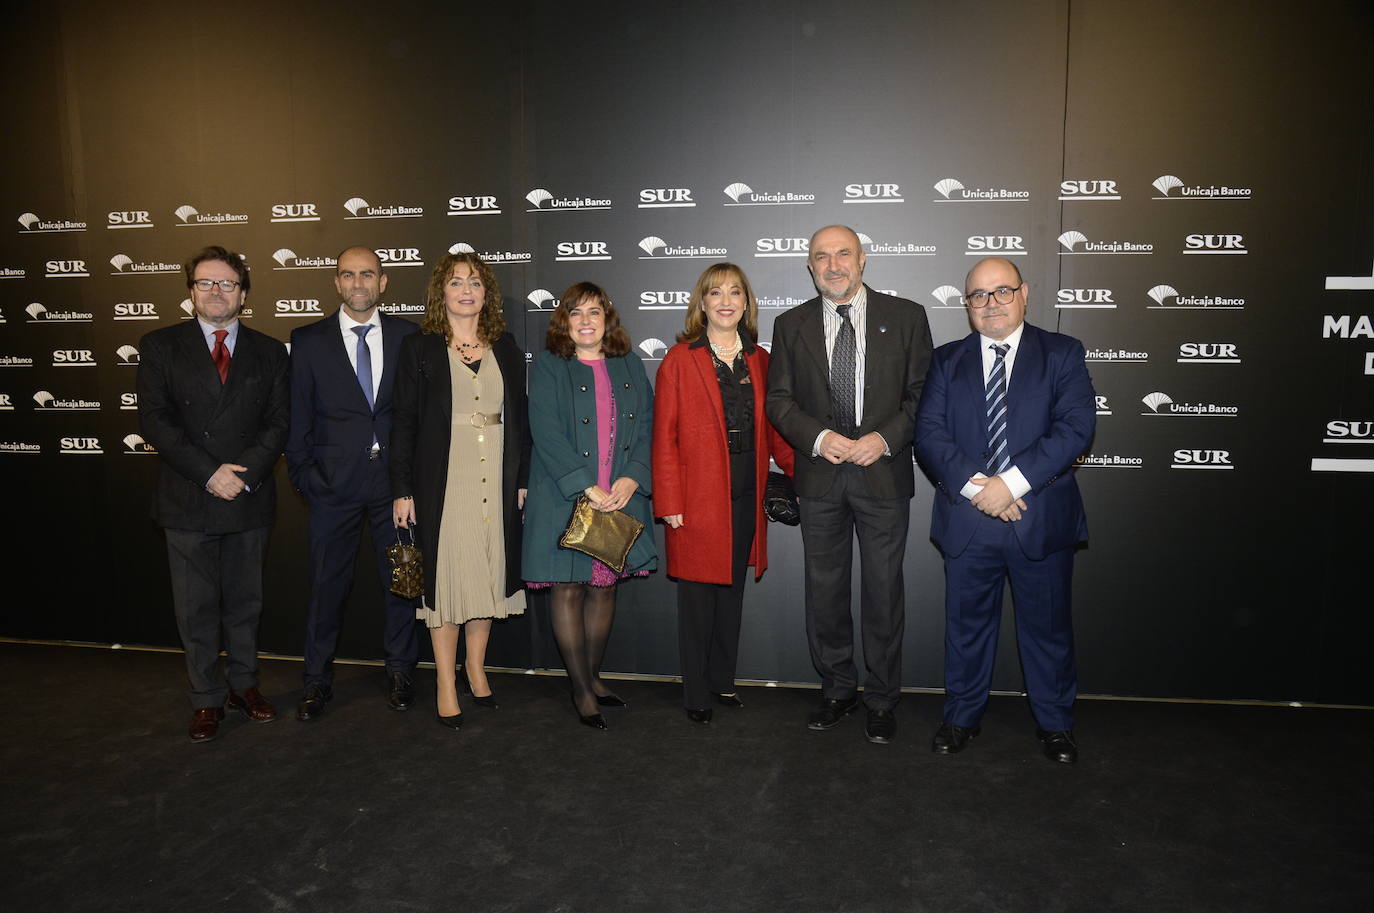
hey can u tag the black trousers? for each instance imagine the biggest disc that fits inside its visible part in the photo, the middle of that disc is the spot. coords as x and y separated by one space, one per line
829 525
334 530
708 616
217 596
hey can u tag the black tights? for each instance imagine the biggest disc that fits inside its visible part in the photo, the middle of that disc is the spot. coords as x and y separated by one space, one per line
581 615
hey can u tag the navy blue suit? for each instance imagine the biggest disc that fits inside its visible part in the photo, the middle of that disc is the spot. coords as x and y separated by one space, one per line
1051 414
330 458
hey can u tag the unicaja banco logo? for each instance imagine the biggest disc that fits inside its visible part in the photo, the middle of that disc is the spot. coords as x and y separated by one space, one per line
288 259
39 313
31 223
134 443
542 299
541 200
895 248
742 194
358 208
188 215
1171 187
124 265
947 296
952 190
653 349
1162 404
1075 242
656 248
46 402
1168 298
128 356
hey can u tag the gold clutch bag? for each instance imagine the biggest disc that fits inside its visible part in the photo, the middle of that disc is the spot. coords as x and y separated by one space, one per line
605 535
407 567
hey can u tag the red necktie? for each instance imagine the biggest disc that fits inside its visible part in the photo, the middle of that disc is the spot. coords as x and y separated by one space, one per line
221 355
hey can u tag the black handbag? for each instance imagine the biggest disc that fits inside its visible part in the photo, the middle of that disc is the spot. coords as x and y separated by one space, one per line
780 499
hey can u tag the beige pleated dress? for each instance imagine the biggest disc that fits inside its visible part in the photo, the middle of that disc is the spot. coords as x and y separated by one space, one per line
470 576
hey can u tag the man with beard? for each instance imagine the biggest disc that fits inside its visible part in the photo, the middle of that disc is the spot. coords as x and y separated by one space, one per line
212 400
342 371
843 385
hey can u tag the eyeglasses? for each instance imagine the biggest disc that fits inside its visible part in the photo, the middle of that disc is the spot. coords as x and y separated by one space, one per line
980 299
225 285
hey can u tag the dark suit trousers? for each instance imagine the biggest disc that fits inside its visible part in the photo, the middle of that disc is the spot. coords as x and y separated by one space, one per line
335 526
828 527
1041 590
709 614
217 597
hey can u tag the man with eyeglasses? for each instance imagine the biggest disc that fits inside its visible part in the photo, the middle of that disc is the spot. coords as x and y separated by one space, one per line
213 401
1006 412
343 369
846 374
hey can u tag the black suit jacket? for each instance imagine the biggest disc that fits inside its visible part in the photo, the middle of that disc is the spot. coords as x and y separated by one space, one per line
332 428
420 435
196 424
897 354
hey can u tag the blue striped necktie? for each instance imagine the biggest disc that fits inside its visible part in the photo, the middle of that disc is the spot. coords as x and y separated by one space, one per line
996 398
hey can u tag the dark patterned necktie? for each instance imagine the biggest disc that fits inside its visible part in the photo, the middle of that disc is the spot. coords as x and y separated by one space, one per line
221 355
842 370
996 398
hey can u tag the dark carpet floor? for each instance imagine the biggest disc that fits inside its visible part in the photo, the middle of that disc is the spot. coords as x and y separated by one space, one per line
108 807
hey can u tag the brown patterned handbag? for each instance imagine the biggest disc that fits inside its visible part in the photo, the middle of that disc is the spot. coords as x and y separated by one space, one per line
407 567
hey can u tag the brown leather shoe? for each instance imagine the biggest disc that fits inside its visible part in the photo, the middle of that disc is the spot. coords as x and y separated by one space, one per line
205 723
253 705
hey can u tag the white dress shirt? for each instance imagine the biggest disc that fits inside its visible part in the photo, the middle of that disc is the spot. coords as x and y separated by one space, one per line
831 322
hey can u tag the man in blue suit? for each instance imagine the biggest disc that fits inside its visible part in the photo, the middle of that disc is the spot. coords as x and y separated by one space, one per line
1005 413
342 372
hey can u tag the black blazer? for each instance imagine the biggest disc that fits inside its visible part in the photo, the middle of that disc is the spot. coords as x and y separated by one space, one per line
897 354
332 428
420 431
196 424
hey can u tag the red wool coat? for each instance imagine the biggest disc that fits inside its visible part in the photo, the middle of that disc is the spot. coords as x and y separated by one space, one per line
691 464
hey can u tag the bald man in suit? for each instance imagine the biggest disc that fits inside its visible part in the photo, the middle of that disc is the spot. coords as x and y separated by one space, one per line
1006 412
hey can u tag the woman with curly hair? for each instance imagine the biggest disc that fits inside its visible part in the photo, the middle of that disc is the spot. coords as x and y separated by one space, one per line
591 415
460 456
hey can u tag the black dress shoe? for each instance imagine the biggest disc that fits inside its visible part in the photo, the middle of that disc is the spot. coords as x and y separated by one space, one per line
313 701
451 722
401 694
951 739
1059 746
487 700
729 700
881 727
831 712
596 721
699 716
611 700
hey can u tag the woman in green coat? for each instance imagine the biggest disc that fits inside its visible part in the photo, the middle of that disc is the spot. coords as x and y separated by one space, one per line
591 416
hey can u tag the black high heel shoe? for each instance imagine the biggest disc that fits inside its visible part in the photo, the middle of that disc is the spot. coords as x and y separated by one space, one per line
611 700
595 720
465 686
451 722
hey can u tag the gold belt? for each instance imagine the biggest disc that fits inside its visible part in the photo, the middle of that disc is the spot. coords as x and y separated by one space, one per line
483 419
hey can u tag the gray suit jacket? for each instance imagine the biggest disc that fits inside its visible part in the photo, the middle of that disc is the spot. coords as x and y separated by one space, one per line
897 354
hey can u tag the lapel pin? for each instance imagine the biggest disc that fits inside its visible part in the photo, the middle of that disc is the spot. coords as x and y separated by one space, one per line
882 329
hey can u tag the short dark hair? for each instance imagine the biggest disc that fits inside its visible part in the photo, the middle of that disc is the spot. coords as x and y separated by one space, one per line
215 252
615 343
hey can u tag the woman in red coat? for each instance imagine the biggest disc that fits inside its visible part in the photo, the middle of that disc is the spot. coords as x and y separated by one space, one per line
712 443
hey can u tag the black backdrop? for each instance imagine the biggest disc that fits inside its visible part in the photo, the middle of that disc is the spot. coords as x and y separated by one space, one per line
1190 184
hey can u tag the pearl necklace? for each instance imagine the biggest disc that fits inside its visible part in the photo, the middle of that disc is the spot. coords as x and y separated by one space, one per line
726 353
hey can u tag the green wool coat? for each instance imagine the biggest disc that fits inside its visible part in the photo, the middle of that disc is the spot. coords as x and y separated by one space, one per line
563 422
